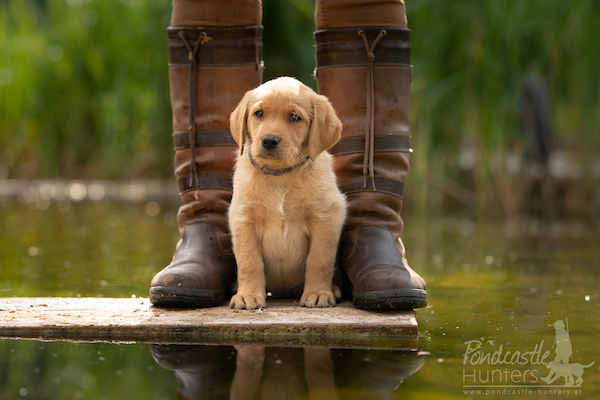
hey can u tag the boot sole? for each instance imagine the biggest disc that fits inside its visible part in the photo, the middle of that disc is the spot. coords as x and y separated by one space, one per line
163 296
389 300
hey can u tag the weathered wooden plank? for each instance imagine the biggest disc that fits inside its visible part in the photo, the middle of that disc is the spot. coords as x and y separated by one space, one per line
282 323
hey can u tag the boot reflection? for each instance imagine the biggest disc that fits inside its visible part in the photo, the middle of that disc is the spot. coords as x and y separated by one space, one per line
251 372
205 372
373 374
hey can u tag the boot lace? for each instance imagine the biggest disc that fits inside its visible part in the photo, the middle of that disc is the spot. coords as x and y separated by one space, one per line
368 163
192 53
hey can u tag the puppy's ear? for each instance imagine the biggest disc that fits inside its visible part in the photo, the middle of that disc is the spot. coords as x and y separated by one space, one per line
325 128
238 121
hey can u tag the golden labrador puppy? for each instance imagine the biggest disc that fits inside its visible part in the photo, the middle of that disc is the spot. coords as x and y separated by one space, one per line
287 213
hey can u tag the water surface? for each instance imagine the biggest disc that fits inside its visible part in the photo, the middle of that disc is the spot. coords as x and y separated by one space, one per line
496 289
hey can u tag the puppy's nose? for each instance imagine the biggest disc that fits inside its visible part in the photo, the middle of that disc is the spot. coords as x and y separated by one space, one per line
270 141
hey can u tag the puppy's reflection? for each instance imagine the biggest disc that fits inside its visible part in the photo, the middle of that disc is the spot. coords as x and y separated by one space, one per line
250 372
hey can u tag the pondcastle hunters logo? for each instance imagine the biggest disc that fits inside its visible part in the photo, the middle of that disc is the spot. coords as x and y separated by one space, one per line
491 369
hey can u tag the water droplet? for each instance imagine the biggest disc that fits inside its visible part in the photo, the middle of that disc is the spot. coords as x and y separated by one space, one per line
152 208
169 218
63 204
96 191
77 191
30 194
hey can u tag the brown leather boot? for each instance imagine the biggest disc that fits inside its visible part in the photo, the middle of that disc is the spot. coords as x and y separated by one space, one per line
366 74
210 69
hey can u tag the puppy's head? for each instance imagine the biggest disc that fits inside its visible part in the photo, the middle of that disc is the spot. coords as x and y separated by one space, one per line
282 121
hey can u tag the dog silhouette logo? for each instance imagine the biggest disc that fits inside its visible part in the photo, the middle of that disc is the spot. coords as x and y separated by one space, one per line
560 367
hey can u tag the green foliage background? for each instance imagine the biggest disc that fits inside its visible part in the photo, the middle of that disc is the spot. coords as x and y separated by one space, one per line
84 84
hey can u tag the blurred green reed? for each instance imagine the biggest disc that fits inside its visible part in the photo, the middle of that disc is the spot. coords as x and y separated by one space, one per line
84 86
470 60
84 90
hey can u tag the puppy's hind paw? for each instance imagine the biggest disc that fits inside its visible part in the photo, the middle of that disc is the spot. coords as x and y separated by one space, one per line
313 300
248 302
337 292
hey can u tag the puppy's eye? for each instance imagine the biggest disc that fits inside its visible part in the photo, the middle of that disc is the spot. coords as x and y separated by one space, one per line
295 118
259 114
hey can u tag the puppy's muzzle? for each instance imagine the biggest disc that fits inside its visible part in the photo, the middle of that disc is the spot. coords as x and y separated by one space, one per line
270 142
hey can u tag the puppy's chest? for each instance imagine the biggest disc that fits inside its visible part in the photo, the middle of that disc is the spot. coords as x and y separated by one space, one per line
285 215
283 230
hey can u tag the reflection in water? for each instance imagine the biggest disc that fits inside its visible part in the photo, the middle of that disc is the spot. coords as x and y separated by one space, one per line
258 372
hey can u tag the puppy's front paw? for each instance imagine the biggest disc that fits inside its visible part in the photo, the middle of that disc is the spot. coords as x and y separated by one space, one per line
317 299
248 301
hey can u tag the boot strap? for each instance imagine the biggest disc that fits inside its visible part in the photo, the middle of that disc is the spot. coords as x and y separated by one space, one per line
220 46
344 48
189 183
382 185
204 138
386 143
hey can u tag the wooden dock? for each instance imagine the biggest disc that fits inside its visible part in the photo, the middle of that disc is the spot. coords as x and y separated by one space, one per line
282 323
